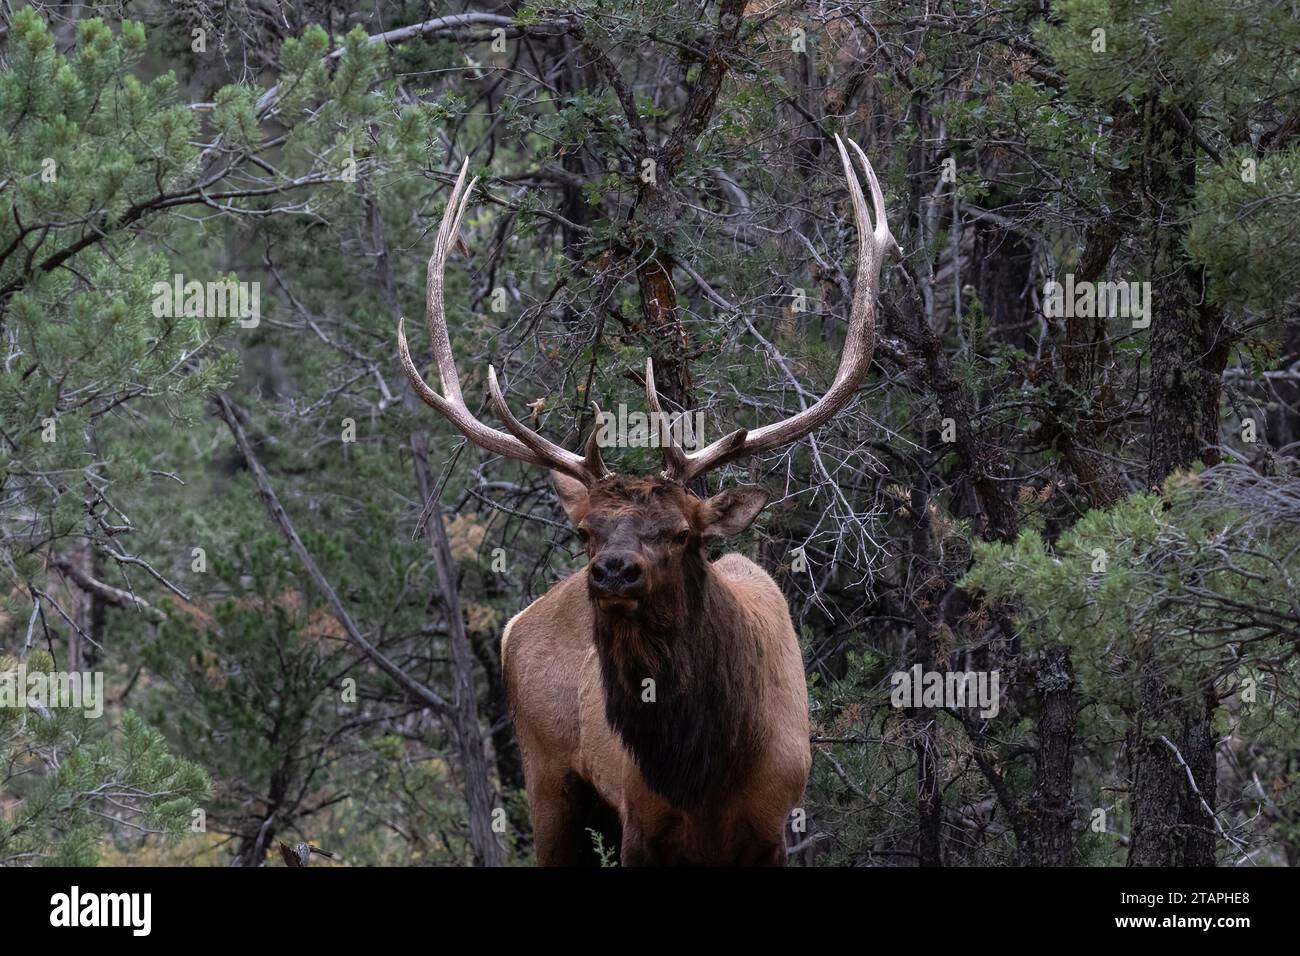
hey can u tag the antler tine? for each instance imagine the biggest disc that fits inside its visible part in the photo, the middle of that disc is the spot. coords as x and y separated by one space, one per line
435 314
674 457
881 236
585 468
521 444
595 464
874 243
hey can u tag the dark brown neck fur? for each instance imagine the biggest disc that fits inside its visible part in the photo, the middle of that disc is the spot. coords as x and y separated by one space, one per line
699 734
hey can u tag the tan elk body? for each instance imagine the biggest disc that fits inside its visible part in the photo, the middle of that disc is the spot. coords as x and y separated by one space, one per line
658 697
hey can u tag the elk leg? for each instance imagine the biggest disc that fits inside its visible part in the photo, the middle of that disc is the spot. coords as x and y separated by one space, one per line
762 854
654 842
564 809
758 843
635 850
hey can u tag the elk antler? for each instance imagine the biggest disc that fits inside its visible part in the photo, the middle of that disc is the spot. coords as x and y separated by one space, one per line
859 342
521 443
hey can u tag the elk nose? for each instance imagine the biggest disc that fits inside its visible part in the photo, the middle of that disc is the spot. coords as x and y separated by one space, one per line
616 572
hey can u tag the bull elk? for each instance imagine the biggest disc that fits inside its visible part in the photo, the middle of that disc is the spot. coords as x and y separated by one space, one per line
705 764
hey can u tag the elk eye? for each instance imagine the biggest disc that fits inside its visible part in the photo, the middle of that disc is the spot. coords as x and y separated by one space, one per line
683 536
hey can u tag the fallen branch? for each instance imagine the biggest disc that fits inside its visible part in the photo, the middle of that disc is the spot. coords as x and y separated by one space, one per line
278 515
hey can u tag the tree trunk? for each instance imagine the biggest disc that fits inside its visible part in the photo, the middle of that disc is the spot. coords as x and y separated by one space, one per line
1198 749
1053 797
1189 341
1156 789
1170 824
505 749
929 792
1189 348
480 799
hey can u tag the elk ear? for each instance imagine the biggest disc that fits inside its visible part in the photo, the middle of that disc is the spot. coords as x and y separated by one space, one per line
572 494
730 512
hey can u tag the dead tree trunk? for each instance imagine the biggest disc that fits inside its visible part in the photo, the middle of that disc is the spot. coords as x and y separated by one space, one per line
480 800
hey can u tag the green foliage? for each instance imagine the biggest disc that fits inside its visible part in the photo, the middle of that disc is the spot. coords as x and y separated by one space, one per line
608 854
1194 577
69 780
1248 232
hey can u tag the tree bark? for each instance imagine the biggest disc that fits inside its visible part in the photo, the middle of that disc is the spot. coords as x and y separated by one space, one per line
505 749
1053 798
1089 399
929 792
1189 341
1189 348
1170 824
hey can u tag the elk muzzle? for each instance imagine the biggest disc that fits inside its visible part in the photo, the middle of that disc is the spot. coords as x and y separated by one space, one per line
616 574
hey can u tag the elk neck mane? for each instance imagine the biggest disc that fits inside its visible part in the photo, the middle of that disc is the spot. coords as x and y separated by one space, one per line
700 731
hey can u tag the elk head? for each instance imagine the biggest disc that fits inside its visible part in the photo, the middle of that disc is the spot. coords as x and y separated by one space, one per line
639 533
645 536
